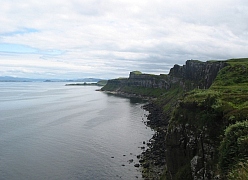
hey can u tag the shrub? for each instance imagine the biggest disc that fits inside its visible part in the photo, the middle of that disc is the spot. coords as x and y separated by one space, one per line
240 172
234 147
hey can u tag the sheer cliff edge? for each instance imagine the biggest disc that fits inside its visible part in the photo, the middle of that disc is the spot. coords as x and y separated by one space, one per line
199 112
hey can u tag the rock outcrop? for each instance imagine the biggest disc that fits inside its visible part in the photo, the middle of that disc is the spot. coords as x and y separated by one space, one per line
138 80
190 125
199 74
148 81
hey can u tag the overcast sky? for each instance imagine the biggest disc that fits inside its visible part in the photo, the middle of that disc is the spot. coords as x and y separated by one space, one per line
110 38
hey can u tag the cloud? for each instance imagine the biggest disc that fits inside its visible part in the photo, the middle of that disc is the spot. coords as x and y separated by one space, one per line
110 38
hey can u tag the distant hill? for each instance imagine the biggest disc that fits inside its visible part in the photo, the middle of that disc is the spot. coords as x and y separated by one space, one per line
84 80
14 79
17 79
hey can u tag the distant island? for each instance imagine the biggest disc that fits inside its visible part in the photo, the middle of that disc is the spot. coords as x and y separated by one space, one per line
19 79
99 83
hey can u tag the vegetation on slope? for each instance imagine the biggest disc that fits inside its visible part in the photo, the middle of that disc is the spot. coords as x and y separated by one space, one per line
149 92
221 112
102 82
239 172
122 85
234 146
136 72
114 86
218 117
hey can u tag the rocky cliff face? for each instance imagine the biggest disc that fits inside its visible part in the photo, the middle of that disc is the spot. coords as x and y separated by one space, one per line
148 81
139 80
199 74
191 147
197 125
190 141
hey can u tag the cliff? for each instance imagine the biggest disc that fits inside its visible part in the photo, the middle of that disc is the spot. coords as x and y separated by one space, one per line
193 74
140 80
200 119
200 73
199 141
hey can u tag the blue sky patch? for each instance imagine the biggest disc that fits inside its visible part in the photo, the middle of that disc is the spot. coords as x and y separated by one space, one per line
16 48
20 32
24 49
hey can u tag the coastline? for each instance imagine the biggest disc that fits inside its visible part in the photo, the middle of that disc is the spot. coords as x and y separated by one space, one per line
198 106
153 160
127 95
82 84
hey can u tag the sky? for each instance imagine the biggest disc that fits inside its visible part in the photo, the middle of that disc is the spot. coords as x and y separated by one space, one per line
107 39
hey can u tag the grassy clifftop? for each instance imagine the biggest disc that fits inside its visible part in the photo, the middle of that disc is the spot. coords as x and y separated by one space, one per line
214 125
145 85
206 129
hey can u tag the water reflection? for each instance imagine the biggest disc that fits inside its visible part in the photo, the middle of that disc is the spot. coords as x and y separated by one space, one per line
133 100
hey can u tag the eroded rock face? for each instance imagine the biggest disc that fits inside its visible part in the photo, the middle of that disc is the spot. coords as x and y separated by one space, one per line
190 150
201 74
148 81
186 149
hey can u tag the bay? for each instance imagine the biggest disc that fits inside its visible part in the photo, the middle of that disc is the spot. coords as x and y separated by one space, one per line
52 131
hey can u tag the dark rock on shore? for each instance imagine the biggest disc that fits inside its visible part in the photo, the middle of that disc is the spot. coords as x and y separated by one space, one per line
191 110
153 160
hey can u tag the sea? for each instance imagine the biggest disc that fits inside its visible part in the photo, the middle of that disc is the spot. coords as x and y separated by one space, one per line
49 131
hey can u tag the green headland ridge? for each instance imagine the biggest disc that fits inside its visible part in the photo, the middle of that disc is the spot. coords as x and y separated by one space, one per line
199 112
99 83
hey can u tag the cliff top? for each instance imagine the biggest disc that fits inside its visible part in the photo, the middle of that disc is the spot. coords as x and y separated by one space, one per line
200 101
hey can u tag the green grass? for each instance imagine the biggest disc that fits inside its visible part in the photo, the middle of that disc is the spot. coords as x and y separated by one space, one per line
150 92
234 146
239 172
170 98
216 111
221 108
110 87
102 82
136 72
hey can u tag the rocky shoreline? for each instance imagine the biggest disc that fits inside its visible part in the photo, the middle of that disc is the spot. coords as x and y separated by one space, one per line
127 95
198 107
153 160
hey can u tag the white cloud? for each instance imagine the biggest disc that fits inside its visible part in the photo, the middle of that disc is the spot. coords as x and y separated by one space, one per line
110 38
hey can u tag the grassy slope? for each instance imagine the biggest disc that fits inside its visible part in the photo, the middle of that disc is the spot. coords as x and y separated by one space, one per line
223 105
102 82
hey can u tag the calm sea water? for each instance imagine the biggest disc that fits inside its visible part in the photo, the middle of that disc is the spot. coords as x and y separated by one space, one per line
52 131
